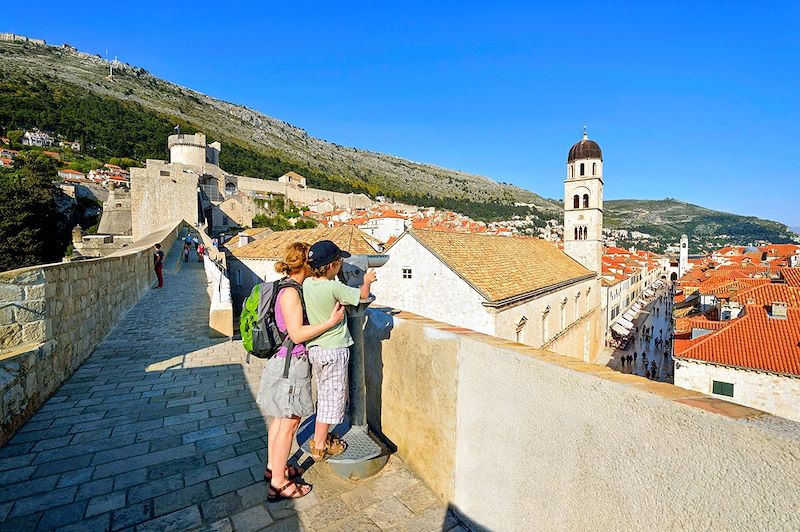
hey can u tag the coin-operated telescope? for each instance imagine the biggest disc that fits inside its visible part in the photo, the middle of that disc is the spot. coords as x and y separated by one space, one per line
364 456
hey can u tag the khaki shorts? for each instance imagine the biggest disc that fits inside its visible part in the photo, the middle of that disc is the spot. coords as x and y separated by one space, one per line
279 397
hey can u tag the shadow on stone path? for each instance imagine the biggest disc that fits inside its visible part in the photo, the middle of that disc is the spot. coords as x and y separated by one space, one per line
159 430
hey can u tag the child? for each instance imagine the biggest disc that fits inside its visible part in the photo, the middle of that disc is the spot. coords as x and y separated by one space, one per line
329 353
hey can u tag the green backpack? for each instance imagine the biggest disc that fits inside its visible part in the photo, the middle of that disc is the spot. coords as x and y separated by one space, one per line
261 336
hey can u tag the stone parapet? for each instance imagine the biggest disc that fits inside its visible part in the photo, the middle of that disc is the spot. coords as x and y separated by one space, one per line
53 316
514 437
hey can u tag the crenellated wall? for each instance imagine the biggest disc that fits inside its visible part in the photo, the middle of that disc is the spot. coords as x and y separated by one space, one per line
517 438
53 316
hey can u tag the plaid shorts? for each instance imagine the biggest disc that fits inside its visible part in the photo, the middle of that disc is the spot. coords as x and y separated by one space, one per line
330 371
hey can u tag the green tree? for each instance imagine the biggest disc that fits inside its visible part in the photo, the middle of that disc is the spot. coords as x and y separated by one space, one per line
32 230
15 138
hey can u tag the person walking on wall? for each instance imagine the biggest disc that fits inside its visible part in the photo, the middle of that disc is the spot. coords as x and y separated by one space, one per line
201 249
158 265
287 400
186 253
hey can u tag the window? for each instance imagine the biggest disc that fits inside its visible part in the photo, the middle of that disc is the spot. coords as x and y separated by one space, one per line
164 173
406 273
577 306
576 234
224 220
238 277
576 201
594 168
722 388
545 313
520 330
571 171
586 201
564 314
583 170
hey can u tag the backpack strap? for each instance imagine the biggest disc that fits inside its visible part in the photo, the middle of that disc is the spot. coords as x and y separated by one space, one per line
287 340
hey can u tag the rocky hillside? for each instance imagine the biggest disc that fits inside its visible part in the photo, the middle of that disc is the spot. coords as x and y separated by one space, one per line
669 218
247 128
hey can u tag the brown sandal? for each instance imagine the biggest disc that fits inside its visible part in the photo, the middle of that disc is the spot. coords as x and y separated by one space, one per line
291 472
275 494
333 447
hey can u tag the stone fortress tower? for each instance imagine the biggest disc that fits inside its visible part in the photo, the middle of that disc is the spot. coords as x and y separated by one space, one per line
583 204
683 264
192 150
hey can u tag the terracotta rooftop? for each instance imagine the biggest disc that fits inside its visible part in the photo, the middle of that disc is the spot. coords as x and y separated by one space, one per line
791 276
754 341
501 267
767 293
272 246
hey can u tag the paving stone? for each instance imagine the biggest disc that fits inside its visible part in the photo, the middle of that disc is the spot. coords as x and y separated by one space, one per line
131 478
94 488
217 442
203 434
416 498
253 494
258 445
82 449
168 469
388 512
177 521
139 426
185 418
215 421
120 453
200 474
230 482
43 501
11 450
182 498
29 487
51 443
359 498
20 524
79 476
15 462
105 503
166 443
154 488
223 525
39 435
91 435
252 519
11 476
137 462
62 515
61 466
132 515
208 405
239 462
222 506
163 432
93 524
358 522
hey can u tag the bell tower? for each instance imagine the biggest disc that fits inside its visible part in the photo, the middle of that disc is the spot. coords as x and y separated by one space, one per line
583 204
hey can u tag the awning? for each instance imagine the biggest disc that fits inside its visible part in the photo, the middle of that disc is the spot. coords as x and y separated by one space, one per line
636 307
627 324
630 314
619 329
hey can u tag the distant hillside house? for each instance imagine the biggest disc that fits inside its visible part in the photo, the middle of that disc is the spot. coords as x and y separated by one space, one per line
68 173
523 289
37 139
74 145
293 179
255 262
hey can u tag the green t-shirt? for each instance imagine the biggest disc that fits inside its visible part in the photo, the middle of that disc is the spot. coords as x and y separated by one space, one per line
320 296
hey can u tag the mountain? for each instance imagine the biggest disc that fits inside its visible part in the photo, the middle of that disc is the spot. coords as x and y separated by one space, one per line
69 92
669 218
241 129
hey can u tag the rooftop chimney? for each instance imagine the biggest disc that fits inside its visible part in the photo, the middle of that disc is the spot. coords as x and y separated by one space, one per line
779 310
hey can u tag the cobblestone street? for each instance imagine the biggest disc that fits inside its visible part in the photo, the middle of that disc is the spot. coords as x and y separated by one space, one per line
159 430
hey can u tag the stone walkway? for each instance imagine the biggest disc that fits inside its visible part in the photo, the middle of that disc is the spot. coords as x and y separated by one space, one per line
159 430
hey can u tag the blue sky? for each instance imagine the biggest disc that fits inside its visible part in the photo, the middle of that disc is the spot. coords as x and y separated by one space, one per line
692 100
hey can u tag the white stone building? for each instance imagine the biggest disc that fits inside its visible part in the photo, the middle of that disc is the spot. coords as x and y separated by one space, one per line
522 289
37 139
753 361
384 226
583 204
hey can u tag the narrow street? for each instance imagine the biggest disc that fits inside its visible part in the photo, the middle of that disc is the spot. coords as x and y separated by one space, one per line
651 341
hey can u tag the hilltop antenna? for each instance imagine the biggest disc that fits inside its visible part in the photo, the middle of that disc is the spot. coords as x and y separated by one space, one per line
111 68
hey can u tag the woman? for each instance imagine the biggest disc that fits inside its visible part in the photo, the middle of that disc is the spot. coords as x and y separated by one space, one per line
289 400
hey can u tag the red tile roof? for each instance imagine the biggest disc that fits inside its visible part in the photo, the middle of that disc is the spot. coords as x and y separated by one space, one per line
754 341
766 294
791 276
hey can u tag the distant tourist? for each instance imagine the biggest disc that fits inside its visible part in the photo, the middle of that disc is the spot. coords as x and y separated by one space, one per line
195 241
186 253
275 393
158 265
188 240
635 354
214 242
329 353
201 249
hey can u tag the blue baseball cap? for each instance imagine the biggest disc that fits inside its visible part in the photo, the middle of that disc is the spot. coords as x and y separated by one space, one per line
324 252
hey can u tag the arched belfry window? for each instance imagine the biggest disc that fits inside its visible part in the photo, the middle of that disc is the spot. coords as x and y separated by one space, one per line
571 171
586 201
582 169
576 234
576 201
594 168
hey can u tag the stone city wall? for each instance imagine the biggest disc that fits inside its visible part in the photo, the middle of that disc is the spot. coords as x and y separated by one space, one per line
53 316
517 438
304 196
